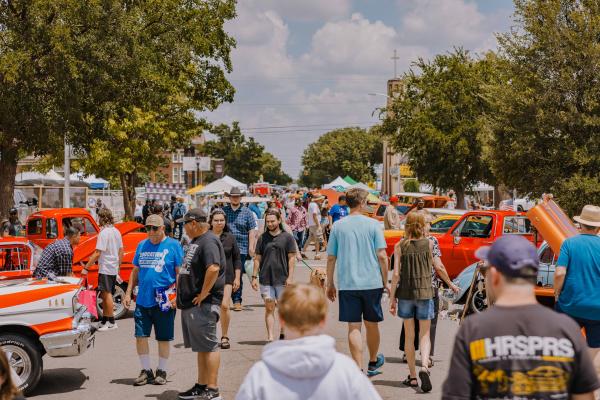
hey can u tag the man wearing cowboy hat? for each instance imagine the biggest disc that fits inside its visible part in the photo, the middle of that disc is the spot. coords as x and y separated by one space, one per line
577 278
243 226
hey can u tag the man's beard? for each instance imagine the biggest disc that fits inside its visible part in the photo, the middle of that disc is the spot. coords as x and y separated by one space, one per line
273 229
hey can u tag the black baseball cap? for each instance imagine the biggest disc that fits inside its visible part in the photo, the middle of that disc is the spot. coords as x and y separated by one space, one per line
195 214
512 255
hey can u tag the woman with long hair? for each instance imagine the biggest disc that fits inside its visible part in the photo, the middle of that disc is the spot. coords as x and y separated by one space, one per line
8 389
233 269
412 295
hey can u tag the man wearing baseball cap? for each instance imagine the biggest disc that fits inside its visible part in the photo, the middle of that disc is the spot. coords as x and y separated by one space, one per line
577 278
391 217
518 348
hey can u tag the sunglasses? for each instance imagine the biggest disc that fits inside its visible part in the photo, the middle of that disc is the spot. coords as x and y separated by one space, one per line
152 228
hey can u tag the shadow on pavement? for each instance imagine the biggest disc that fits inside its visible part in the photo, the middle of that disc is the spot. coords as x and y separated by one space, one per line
250 306
254 342
398 360
124 381
60 380
179 346
382 382
166 395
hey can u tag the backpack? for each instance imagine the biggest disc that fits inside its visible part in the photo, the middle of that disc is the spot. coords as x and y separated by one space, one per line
178 211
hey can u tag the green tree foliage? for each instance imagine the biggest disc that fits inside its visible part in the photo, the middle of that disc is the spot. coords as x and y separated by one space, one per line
546 123
411 185
101 70
438 121
244 159
348 151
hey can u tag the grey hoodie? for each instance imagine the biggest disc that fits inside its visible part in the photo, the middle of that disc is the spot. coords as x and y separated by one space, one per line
308 368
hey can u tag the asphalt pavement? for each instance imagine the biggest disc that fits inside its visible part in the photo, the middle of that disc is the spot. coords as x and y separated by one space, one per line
107 370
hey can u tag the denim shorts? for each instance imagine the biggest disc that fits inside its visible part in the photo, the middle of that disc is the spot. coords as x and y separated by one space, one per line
422 309
271 292
163 322
356 305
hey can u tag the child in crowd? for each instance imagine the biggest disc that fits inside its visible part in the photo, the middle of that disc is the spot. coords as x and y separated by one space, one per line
305 365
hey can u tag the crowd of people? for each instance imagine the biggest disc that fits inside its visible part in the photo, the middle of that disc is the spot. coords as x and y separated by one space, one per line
203 279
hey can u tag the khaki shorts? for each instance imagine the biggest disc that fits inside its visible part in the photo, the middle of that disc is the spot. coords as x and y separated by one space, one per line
314 234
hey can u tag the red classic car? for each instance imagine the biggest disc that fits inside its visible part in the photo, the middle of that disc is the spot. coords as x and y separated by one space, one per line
44 227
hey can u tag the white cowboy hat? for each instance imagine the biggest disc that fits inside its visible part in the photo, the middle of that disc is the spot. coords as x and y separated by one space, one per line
590 216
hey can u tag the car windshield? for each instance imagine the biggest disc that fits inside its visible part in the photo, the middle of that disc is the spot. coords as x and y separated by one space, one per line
442 226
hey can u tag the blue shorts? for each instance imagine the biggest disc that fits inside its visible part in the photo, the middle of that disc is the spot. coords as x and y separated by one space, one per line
356 305
271 292
592 328
163 322
422 309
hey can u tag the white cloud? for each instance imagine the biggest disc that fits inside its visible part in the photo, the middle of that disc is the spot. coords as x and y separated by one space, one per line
309 10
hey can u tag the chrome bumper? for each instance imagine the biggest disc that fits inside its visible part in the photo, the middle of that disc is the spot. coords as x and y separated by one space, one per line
70 343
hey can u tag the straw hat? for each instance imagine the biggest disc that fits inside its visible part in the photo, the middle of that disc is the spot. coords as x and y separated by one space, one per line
590 216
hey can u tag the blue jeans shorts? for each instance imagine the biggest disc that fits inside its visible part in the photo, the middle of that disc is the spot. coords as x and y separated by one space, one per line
592 328
271 292
422 309
163 322
356 305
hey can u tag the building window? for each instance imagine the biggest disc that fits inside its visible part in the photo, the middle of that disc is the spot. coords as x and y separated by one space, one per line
177 157
175 175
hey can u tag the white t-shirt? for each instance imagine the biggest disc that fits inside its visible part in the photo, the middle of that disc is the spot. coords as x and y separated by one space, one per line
109 242
313 208
138 210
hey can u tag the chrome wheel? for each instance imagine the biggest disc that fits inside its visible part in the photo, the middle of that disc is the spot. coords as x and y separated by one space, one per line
19 360
119 309
478 301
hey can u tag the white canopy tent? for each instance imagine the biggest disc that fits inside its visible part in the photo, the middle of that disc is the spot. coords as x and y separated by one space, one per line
33 177
224 184
360 185
92 181
337 182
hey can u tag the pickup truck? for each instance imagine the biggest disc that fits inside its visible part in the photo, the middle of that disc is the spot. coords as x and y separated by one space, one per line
41 317
44 227
471 231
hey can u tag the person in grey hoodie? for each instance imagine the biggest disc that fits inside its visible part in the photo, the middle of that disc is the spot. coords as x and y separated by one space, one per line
305 366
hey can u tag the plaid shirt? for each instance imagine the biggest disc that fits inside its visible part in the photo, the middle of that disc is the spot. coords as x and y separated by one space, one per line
56 260
297 219
240 222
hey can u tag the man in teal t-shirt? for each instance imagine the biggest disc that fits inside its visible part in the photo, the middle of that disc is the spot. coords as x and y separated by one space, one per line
357 249
577 277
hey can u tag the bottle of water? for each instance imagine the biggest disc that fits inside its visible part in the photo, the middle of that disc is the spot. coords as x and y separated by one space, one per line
385 297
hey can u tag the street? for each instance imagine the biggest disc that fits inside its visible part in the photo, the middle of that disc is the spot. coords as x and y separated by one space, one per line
108 369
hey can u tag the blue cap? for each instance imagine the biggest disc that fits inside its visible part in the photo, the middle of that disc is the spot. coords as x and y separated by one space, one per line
510 254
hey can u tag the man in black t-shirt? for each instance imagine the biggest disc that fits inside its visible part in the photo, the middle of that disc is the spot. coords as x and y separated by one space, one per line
518 348
274 262
200 286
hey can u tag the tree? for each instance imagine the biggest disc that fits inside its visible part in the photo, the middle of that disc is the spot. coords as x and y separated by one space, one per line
244 159
271 170
116 66
438 121
347 151
546 115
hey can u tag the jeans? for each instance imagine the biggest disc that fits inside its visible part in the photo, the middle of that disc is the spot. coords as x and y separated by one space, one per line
299 236
436 307
236 296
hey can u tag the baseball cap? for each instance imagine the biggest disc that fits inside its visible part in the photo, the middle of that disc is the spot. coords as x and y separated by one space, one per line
195 214
154 220
511 255
393 199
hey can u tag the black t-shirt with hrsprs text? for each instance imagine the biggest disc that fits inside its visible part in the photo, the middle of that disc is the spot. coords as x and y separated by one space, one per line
525 352
203 251
274 262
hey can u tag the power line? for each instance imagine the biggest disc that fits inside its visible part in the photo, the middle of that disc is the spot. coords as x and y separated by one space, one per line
301 104
300 130
309 125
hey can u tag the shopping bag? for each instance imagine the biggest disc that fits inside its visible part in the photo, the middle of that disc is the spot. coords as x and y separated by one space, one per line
249 268
87 297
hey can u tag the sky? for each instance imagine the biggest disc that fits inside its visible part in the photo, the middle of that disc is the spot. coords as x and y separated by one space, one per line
304 67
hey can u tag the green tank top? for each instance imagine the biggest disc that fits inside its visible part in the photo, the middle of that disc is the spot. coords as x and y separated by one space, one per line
416 262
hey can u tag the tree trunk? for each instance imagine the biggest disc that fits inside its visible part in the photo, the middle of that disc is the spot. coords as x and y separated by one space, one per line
128 187
460 199
8 168
497 197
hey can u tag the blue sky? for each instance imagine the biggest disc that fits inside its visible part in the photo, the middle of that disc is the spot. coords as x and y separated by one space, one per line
304 67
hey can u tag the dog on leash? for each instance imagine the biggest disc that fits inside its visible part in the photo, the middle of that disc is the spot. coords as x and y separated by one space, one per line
318 277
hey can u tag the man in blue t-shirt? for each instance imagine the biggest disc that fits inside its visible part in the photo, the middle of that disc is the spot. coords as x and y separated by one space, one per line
338 211
577 277
156 263
357 249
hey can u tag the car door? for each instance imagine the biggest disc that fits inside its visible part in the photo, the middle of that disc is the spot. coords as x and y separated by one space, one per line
474 231
36 232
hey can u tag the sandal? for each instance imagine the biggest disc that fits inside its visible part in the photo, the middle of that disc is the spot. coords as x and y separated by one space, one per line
409 382
225 343
425 380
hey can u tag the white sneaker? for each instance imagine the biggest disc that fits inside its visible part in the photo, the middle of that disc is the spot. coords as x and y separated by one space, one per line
107 327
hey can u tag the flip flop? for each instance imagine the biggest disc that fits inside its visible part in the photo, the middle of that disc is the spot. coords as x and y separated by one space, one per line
425 380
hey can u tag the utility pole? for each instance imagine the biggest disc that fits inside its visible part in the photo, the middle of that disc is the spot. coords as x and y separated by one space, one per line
395 58
67 174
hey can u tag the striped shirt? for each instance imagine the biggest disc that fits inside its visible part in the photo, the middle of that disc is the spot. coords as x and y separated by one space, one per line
56 260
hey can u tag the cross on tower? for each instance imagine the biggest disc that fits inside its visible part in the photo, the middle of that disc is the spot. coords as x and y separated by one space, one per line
395 58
